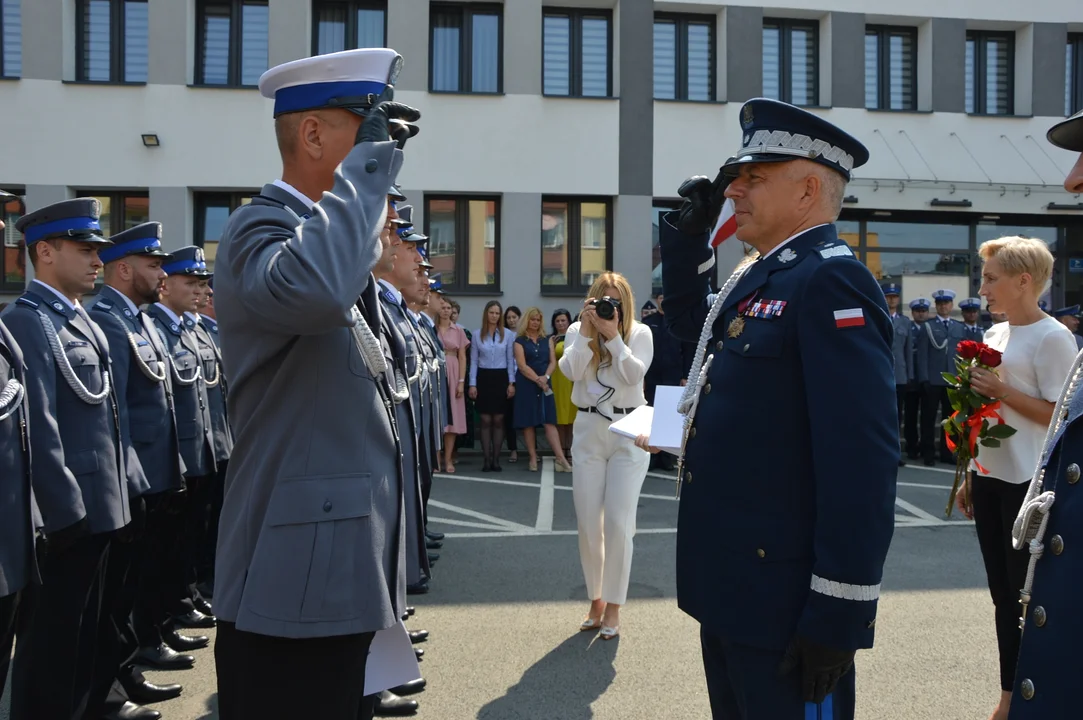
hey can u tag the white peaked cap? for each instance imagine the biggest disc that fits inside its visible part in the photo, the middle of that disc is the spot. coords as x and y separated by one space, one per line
344 79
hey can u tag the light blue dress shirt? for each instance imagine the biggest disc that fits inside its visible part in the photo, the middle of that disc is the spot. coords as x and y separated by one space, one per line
492 354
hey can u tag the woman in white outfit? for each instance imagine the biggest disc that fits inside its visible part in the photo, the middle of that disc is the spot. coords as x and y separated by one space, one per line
606 359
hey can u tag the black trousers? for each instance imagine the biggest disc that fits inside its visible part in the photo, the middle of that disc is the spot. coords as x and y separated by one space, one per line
744 684
13 609
54 659
996 503
935 397
270 678
216 494
194 534
160 579
914 403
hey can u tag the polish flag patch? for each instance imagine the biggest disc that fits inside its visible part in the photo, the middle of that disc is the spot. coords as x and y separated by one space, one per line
852 317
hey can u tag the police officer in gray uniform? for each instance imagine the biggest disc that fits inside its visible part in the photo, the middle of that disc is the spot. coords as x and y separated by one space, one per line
19 517
80 481
179 294
310 548
970 308
936 354
141 378
430 378
902 349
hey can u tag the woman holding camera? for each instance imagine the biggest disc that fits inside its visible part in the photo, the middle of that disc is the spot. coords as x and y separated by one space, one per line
606 355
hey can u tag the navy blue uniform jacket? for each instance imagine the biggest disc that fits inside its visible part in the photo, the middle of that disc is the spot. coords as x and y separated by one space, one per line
787 508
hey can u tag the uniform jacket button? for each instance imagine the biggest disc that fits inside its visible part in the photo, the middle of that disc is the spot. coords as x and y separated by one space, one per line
327 506
760 552
692 433
707 389
371 165
1056 544
1073 474
747 346
688 476
1039 616
1026 688
718 345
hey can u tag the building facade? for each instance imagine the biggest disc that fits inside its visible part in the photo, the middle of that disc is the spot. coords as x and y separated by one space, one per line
552 140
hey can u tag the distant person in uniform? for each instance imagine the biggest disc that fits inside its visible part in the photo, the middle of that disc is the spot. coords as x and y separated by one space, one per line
919 313
785 519
902 349
936 355
971 308
1047 679
648 309
1069 317
310 547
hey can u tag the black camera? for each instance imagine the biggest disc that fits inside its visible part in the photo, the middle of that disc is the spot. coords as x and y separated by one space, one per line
606 307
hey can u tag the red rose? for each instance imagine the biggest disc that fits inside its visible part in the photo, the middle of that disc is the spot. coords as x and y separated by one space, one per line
989 357
968 349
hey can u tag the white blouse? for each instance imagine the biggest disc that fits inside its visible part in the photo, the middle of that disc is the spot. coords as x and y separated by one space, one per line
624 373
1036 361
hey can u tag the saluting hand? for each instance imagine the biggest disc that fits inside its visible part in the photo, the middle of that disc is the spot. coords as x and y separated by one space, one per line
388 120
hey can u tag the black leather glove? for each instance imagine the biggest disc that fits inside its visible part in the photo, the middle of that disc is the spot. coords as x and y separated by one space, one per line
821 667
702 204
62 539
382 123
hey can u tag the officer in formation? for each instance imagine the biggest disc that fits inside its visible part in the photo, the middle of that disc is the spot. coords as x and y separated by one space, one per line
1069 317
1046 684
311 547
902 349
936 354
919 313
971 308
796 570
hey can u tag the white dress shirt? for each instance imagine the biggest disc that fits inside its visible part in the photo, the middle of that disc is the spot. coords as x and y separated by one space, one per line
624 373
172 315
52 290
309 203
128 301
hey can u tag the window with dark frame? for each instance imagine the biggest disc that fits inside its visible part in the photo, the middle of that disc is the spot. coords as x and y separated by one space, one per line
11 38
346 25
891 63
231 42
466 48
577 52
111 41
575 243
990 73
13 261
1073 66
464 241
212 210
791 61
684 57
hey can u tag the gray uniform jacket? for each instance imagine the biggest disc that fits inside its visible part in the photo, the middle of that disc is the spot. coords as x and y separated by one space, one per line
190 404
78 463
902 350
936 349
427 391
443 418
19 516
144 387
310 539
215 380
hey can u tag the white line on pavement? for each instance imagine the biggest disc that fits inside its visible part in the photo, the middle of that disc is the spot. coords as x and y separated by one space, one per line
492 481
924 485
466 523
932 469
480 516
915 510
544 522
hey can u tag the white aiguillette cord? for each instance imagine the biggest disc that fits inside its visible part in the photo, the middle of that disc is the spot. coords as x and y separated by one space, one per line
701 365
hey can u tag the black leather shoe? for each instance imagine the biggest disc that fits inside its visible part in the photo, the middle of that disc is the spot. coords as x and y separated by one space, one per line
419 588
203 606
419 636
388 704
194 619
185 643
146 693
163 657
432 535
433 557
433 544
496 468
410 610
411 688
419 652
131 711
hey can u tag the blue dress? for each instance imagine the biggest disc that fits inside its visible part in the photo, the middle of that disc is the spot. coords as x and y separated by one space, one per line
532 406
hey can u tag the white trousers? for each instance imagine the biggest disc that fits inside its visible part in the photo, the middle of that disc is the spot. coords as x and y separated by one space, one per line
607 476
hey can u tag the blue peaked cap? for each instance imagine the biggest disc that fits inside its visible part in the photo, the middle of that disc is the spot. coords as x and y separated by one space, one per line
143 239
1072 310
67 220
188 260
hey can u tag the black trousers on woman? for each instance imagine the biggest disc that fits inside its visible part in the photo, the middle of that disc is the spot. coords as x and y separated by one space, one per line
996 503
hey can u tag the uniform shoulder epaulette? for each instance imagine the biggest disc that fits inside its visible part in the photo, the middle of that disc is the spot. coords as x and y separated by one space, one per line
26 301
833 249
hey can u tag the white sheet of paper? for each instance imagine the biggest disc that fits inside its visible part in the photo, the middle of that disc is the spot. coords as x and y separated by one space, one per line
667 426
635 423
391 661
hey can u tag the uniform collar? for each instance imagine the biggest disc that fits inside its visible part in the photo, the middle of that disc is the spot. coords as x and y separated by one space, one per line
132 307
52 295
389 289
191 318
169 314
787 241
308 202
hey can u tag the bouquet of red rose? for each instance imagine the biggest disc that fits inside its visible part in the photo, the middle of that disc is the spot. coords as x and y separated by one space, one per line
975 422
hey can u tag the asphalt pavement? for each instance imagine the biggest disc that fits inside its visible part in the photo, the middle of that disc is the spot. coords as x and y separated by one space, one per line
508 595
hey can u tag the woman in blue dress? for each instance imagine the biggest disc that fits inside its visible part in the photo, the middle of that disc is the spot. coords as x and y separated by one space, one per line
534 403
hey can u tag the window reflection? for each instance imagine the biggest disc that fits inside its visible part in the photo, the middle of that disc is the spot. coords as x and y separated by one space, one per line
917 235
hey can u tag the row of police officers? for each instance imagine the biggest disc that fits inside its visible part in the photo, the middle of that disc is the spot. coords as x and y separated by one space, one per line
114 440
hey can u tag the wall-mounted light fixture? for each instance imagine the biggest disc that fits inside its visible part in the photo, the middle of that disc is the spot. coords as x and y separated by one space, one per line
151 140
937 202
850 199
1064 206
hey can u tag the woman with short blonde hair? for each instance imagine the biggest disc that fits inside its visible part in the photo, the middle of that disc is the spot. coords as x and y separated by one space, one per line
1037 354
534 401
606 355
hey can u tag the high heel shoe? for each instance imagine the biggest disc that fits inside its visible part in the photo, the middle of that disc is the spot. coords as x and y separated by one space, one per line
563 467
590 623
486 466
533 467
608 633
